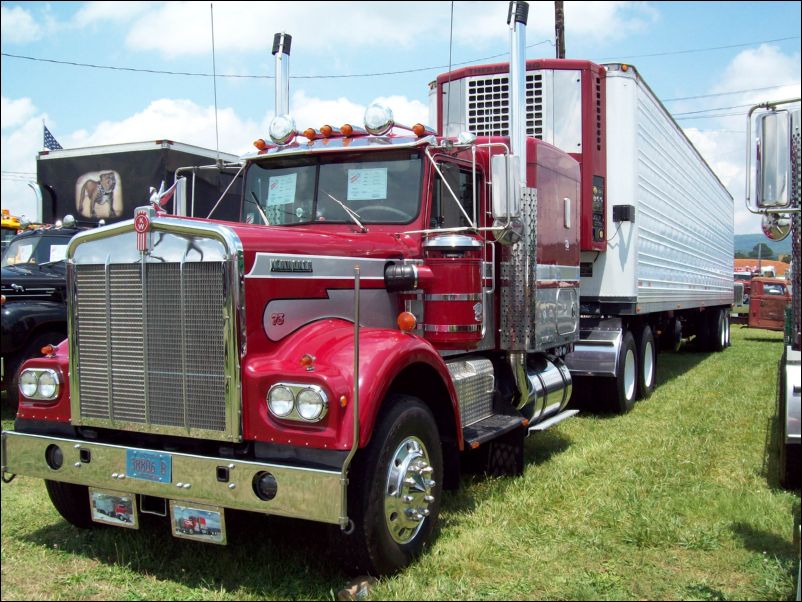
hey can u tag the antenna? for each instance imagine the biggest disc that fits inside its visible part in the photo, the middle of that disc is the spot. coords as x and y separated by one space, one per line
450 44
214 80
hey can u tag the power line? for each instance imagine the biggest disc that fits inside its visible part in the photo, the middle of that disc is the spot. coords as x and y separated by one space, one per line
732 92
399 72
671 52
191 74
713 109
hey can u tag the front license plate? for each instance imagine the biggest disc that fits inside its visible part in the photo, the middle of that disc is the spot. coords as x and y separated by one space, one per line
201 523
113 508
149 466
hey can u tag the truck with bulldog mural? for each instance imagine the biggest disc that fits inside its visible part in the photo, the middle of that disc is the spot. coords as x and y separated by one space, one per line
386 303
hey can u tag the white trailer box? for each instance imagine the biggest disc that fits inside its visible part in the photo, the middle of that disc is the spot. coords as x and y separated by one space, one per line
669 218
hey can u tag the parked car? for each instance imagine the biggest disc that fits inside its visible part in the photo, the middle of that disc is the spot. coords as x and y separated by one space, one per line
34 309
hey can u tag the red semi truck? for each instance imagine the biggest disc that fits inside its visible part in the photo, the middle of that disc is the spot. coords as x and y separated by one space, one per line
385 304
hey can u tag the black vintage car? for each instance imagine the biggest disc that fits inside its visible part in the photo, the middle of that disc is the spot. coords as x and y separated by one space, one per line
34 309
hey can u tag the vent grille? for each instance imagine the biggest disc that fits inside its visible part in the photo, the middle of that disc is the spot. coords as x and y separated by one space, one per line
489 105
174 325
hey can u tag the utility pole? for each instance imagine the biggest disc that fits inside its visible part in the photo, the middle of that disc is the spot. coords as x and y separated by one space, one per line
559 29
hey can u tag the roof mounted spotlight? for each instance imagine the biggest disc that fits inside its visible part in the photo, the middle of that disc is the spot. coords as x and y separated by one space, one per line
282 129
378 119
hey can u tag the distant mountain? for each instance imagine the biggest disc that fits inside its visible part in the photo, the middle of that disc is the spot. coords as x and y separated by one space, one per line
746 242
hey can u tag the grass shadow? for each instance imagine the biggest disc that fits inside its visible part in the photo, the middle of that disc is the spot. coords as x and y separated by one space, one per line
266 557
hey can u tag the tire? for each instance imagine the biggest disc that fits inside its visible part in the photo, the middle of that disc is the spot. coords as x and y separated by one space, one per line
72 502
390 530
789 464
624 387
702 332
32 349
717 331
647 363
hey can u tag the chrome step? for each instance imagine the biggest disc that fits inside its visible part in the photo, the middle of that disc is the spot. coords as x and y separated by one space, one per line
542 426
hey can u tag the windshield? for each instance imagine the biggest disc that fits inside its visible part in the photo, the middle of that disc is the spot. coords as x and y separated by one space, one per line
35 250
383 188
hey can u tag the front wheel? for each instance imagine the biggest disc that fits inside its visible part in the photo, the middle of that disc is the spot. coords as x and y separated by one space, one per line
394 490
72 502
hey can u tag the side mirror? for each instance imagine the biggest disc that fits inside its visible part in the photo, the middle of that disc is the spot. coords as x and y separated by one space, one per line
506 186
773 161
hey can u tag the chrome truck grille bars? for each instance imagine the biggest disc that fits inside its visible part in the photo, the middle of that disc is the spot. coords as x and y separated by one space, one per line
153 336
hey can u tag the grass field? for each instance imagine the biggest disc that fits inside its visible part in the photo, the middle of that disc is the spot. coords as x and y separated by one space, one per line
676 500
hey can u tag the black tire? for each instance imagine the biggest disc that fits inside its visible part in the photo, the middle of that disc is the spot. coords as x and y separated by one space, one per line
384 540
72 502
32 349
717 332
623 389
702 332
647 362
789 464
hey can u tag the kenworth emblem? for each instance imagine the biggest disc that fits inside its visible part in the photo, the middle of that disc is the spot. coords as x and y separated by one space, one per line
291 265
142 227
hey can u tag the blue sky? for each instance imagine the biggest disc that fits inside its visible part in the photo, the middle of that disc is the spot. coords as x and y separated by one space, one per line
682 49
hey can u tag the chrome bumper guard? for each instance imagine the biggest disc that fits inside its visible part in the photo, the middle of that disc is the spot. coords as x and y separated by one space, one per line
302 492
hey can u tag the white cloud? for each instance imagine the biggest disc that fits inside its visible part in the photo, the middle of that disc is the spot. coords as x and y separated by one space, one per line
249 26
14 113
92 13
18 26
724 144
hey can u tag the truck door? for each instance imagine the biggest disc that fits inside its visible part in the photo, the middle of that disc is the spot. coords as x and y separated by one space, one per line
767 305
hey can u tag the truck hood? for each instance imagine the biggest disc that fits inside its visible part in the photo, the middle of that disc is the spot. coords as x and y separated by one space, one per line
297 240
34 282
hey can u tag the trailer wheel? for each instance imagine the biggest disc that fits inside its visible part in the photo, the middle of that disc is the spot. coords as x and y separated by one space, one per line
395 488
717 331
72 502
647 363
624 387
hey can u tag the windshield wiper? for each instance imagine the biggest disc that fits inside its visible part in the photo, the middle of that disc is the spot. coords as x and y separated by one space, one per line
259 207
351 213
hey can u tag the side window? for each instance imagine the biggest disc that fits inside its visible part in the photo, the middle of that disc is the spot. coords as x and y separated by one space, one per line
445 212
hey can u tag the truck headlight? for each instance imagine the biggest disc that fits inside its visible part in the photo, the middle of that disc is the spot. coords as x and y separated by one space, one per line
280 400
311 404
297 401
39 383
28 381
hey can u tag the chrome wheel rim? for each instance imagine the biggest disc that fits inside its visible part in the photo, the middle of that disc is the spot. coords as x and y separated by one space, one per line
408 491
629 375
648 364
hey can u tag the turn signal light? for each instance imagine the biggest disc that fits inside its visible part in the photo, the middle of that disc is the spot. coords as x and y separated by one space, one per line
406 321
48 350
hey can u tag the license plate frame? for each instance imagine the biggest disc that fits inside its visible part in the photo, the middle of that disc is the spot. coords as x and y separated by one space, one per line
114 508
211 529
149 465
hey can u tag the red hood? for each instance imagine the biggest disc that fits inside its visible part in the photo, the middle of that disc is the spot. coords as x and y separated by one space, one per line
342 241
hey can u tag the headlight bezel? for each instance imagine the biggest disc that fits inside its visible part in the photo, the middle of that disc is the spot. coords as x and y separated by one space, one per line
33 376
297 389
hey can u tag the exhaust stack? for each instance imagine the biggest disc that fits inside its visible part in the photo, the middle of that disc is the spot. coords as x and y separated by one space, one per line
516 18
281 50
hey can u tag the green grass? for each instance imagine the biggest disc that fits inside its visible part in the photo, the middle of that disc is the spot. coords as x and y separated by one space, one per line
676 500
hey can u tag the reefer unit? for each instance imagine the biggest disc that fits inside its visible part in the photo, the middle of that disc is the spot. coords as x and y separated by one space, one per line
669 218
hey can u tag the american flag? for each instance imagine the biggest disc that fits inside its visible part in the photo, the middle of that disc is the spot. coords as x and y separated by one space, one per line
50 142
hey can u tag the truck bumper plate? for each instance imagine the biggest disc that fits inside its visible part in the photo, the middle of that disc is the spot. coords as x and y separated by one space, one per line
301 492
113 508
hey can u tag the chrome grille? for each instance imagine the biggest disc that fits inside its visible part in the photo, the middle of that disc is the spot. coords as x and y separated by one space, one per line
174 325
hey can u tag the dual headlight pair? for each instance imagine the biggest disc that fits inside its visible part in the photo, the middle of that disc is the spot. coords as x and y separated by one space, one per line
308 403
39 383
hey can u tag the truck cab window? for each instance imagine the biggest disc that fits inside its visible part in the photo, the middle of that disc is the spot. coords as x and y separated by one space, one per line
445 212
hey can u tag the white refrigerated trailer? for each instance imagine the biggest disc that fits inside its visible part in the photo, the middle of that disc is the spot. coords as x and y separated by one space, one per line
657 223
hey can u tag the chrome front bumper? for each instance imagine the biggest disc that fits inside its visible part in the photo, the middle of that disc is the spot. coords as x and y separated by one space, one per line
302 492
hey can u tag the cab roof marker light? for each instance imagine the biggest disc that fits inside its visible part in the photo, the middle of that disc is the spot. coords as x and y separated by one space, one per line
379 119
329 131
349 130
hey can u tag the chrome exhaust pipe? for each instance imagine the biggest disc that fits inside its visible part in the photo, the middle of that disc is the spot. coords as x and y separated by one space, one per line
516 18
281 50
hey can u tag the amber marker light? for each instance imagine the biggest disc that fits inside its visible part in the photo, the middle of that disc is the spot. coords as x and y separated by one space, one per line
310 134
343 401
406 321
260 144
308 362
347 129
48 350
